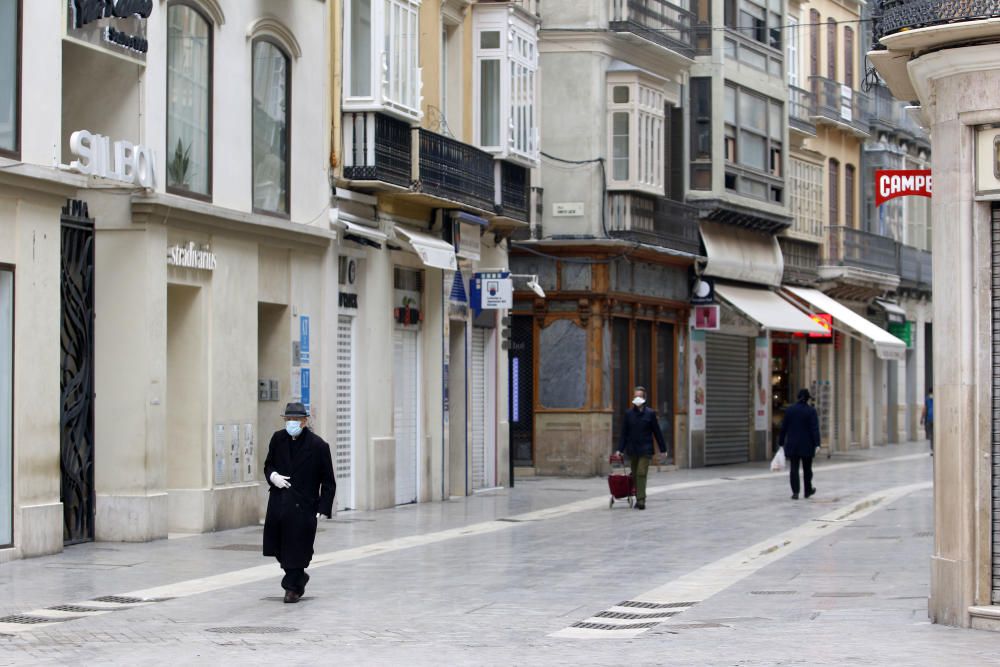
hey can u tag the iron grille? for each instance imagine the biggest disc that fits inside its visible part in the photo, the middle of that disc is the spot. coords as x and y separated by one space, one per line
455 171
380 148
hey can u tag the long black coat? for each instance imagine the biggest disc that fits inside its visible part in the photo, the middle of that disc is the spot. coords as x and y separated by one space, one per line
290 523
800 430
639 429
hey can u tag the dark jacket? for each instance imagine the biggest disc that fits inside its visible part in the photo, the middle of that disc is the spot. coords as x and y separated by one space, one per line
639 427
290 523
800 430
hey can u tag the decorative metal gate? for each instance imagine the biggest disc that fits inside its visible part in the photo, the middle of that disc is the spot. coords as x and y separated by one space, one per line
76 437
522 390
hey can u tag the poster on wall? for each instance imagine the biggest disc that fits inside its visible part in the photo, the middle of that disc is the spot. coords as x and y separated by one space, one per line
248 453
304 340
305 390
219 470
234 453
698 381
761 384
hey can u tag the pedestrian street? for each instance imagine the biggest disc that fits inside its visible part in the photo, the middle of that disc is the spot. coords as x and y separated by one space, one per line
722 568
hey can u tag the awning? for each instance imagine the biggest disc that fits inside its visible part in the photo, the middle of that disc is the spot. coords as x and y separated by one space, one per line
432 251
886 345
895 313
360 228
768 309
469 218
741 254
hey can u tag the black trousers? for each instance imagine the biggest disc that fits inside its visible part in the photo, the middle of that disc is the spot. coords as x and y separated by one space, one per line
294 579
807 472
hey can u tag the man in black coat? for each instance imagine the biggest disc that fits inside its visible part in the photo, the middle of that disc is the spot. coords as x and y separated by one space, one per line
299 470
639 428
800 438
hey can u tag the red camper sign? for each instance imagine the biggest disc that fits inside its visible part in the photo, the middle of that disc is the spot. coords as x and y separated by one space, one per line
892 183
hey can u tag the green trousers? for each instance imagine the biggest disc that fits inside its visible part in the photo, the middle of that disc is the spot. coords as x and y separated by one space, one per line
640 470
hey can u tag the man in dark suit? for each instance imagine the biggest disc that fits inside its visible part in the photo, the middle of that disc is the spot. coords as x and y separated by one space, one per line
299 470
639 428
800 437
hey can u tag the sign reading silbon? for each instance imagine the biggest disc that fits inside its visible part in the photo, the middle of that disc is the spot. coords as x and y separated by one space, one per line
892 183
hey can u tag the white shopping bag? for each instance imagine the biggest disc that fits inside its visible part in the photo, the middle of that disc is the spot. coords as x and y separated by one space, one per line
778 462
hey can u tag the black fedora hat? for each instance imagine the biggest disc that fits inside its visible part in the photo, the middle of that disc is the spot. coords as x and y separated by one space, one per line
295 410
804 395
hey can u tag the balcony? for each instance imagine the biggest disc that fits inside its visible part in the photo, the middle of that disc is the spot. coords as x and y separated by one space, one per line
840 105
451 170
887 114
863 250
657 21
801 109
654 220
894 16
377 149
801 261
515 184
914 268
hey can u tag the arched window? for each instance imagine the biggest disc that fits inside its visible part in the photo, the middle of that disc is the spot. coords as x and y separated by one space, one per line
272 94
189 101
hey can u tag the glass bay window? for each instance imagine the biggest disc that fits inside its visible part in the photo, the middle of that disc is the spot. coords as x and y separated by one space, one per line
636 127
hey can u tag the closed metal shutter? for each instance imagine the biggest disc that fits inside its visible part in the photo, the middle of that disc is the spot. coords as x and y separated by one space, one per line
727 414
344 443
405 414
996 403
477 370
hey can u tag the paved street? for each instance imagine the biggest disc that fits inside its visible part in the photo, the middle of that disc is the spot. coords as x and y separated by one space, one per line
721 569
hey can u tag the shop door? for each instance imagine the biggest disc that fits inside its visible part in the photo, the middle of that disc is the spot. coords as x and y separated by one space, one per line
405 413
521 394
6 407
483 442
728 412
996 403
344 442
76 435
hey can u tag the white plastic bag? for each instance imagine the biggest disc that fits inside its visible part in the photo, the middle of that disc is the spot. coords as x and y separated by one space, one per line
778 462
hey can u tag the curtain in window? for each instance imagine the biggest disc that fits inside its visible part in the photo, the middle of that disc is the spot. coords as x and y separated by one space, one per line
8 75
270 128
489 102
619 145
361 48
189 90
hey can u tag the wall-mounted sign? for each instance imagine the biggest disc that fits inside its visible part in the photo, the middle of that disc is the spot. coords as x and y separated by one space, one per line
492 291
892 183
191 257
846 103
304 339
762 383
466 239
122 161
347 270
569 209
305 392
903 331
988 161
348 300
116 25
702 291
824 320
699 383
706 318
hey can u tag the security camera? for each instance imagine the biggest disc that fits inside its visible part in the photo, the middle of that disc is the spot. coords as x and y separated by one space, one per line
536 288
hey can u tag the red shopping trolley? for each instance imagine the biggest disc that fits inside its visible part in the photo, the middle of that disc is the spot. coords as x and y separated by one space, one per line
621 482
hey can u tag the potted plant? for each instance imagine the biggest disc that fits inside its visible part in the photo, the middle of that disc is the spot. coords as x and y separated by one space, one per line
179 169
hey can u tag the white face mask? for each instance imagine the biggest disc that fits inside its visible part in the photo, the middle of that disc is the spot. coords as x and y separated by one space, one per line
293 428
638 401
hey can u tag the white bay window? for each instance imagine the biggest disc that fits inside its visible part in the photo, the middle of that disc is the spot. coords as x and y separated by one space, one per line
381 57
504 80
636 126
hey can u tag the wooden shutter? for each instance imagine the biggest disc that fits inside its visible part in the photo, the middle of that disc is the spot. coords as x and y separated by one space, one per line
831 49
849 56
834 202
849 195
814 19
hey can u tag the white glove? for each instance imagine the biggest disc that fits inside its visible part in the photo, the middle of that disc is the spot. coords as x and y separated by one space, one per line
280 481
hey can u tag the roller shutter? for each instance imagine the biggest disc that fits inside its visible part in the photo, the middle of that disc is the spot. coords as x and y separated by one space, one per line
344 443
996 403
405 414
477 369
728 412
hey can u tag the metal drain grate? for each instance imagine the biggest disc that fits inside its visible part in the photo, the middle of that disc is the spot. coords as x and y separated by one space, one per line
238 547
773 592
608 626
624 616
75 608
32 620
926 533
120 599
251 630
843 595
885 537
655 605
511 520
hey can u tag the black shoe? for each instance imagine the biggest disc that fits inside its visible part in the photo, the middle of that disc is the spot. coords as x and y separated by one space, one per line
640 506
302 591
292 597
795 496
811 492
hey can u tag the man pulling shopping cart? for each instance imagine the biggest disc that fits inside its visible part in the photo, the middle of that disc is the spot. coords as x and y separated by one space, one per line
639 427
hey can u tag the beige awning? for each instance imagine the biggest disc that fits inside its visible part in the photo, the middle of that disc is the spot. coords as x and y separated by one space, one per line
741 254
768 309
433 252
886 345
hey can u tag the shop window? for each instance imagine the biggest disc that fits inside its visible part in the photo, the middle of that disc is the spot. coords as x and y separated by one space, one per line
562 368
642 354
189 101
271 106
10 84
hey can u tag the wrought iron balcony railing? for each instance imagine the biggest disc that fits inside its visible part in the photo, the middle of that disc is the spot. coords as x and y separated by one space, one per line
515 184
864 250
452 170
659 21
840 104
801 109
914 267
377 148
654 220
892 16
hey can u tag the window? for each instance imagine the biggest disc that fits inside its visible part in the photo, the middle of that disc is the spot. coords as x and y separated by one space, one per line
6 405
637 132
834 202
849 195
831 49
814 19
642 354
189 101
271 150
754 127
759 20
506 50
10 82
381 56
805 184
848 56
701 133
792 51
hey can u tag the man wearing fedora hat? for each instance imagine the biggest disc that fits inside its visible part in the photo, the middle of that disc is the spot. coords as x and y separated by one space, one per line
800 438
299 470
